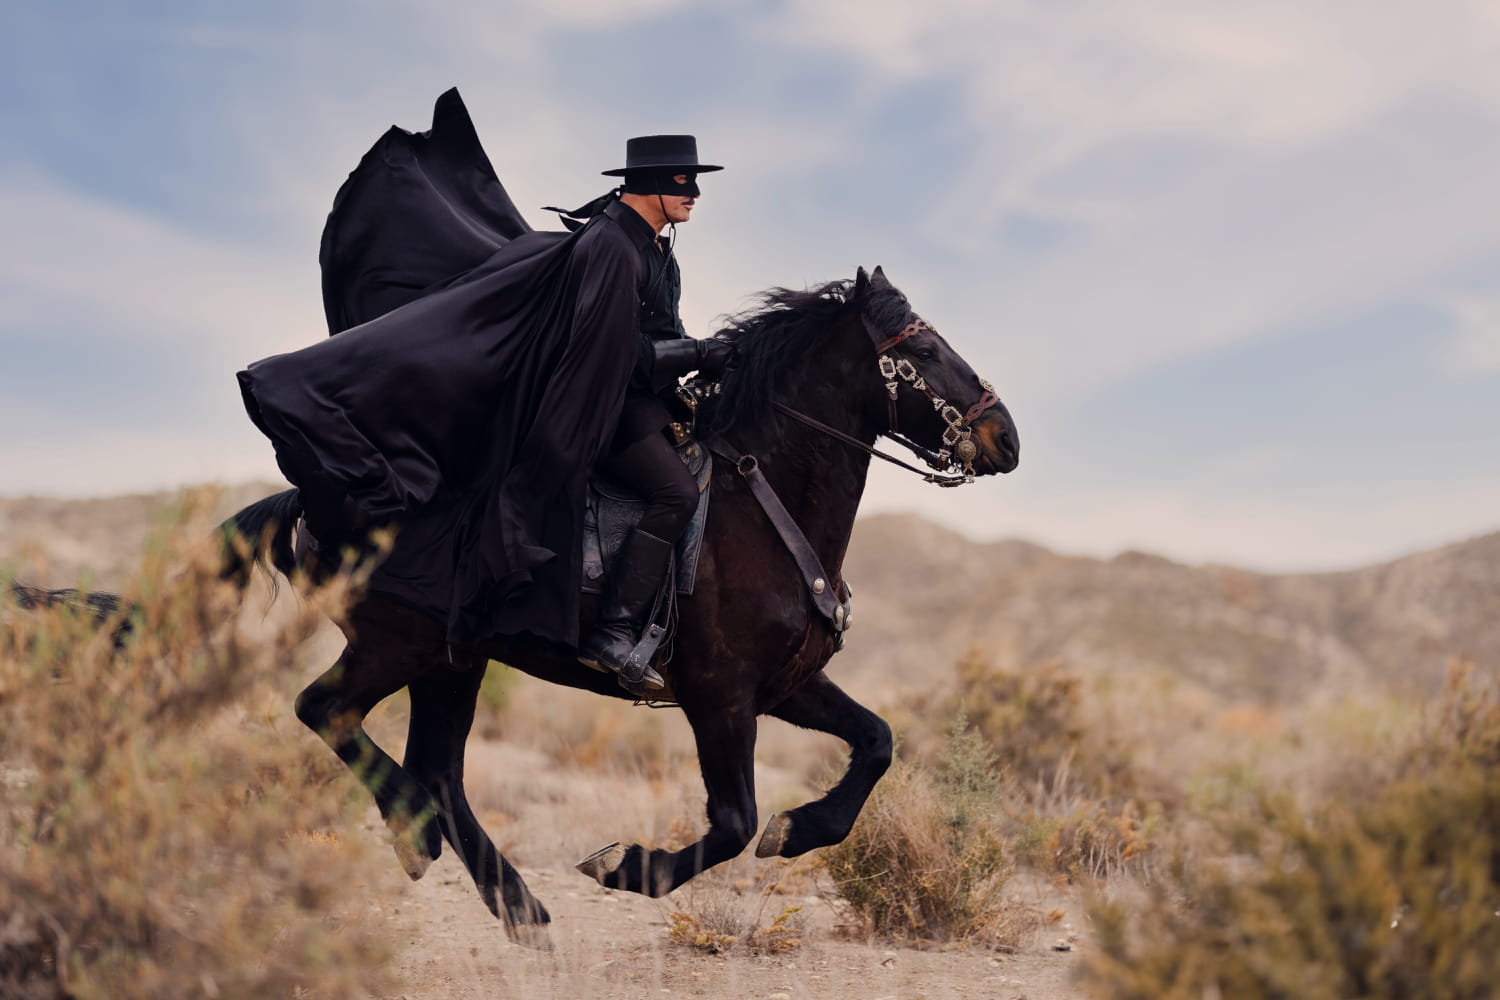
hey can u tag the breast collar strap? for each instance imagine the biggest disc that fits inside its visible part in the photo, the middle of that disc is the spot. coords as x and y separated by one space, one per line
821 589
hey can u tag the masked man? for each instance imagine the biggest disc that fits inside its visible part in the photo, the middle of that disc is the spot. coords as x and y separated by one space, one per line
660 190
479 370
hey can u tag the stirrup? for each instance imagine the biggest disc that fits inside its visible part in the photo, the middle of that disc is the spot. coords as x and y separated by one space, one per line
635 672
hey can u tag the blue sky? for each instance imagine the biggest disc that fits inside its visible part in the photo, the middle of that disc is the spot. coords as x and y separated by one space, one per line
1235 266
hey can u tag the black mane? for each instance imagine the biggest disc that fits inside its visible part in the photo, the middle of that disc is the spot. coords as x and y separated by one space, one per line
775 335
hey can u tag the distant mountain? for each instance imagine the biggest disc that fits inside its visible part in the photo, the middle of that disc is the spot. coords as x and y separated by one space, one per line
59 543
923 594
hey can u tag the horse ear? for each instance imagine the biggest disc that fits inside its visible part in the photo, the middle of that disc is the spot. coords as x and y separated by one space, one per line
861 284
879 278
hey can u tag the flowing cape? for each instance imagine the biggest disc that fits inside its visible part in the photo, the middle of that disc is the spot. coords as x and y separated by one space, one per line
477 371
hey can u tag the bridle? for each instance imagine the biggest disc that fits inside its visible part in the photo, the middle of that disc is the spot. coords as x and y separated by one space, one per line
959 450
954 461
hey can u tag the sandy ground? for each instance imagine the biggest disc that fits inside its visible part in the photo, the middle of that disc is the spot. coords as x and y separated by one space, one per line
615 945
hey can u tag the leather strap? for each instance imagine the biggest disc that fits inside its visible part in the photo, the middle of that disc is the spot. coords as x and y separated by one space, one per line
819 587
986 401
932 477
916 326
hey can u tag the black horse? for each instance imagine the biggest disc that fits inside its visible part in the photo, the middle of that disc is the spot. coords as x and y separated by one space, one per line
820 375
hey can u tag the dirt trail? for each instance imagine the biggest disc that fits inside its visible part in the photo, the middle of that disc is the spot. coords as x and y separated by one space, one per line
614 945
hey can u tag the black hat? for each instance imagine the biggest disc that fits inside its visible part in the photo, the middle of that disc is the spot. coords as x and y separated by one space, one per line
677 153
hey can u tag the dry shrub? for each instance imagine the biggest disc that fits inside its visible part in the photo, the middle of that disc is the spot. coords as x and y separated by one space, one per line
1391 891
711 929
1089 840
1033 719
927 859
1063 782
719 912
163 821
719 930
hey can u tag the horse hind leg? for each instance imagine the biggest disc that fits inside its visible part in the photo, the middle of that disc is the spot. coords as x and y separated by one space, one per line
442 712
822 705
374 666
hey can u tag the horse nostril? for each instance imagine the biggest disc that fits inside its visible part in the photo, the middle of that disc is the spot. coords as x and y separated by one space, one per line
999 445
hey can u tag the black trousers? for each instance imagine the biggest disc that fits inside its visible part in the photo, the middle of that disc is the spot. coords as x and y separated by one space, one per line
650 466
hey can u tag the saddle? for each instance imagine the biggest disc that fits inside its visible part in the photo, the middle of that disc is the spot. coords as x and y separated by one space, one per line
610 513
612 510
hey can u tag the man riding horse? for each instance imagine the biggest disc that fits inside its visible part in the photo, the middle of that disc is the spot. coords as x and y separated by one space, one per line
479 371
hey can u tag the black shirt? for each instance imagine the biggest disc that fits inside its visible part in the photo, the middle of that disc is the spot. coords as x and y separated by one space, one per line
660 293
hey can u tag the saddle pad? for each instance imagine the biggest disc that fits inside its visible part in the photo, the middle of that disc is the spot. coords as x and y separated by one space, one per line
611 512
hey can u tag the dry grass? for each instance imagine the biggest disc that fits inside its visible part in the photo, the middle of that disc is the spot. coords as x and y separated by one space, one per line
725 910
1389 888
164 830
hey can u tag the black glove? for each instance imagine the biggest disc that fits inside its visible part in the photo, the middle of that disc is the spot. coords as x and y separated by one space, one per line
715 355
672 359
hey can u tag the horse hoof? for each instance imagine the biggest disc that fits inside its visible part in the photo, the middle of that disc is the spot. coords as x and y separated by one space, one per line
773 841
603 863
414 860
537 937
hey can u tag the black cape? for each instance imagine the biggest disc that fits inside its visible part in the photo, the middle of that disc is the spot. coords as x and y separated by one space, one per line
477 372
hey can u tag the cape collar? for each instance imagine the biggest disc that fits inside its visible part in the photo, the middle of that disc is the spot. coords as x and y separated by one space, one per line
630 220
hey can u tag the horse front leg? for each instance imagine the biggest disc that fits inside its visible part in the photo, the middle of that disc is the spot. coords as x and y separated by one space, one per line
822 705
726 756
442 713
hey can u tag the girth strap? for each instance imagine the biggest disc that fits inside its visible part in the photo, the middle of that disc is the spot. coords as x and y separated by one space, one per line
819 587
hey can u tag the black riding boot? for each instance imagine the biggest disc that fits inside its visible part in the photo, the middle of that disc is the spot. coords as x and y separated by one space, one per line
629 594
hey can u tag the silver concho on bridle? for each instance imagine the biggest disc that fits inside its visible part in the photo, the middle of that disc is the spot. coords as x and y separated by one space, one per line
959 450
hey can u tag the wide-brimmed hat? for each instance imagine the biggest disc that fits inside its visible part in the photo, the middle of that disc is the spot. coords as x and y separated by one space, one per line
677 153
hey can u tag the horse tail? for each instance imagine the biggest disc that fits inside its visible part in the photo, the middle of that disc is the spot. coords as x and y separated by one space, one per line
267 526
101 605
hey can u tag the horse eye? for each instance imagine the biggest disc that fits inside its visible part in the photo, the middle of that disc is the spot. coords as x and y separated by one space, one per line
926 354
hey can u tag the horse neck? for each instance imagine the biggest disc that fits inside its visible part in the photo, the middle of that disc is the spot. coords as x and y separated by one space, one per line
819 478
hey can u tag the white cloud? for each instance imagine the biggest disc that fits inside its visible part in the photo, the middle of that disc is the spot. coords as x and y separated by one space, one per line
1474 348
145 279
1338 152
592 13
1046 85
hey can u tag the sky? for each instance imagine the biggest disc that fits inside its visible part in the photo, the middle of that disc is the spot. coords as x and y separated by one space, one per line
1233 266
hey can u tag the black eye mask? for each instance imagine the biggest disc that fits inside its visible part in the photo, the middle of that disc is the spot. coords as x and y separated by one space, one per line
659 182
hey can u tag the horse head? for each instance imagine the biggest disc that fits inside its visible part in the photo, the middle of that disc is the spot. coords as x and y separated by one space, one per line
927 397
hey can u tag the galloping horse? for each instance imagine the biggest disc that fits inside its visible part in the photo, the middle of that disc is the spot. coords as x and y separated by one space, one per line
820 375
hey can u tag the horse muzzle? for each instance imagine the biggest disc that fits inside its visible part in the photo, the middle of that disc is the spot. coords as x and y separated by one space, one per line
999 445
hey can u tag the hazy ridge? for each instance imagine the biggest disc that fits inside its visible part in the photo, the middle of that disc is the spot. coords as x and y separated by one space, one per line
923 594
